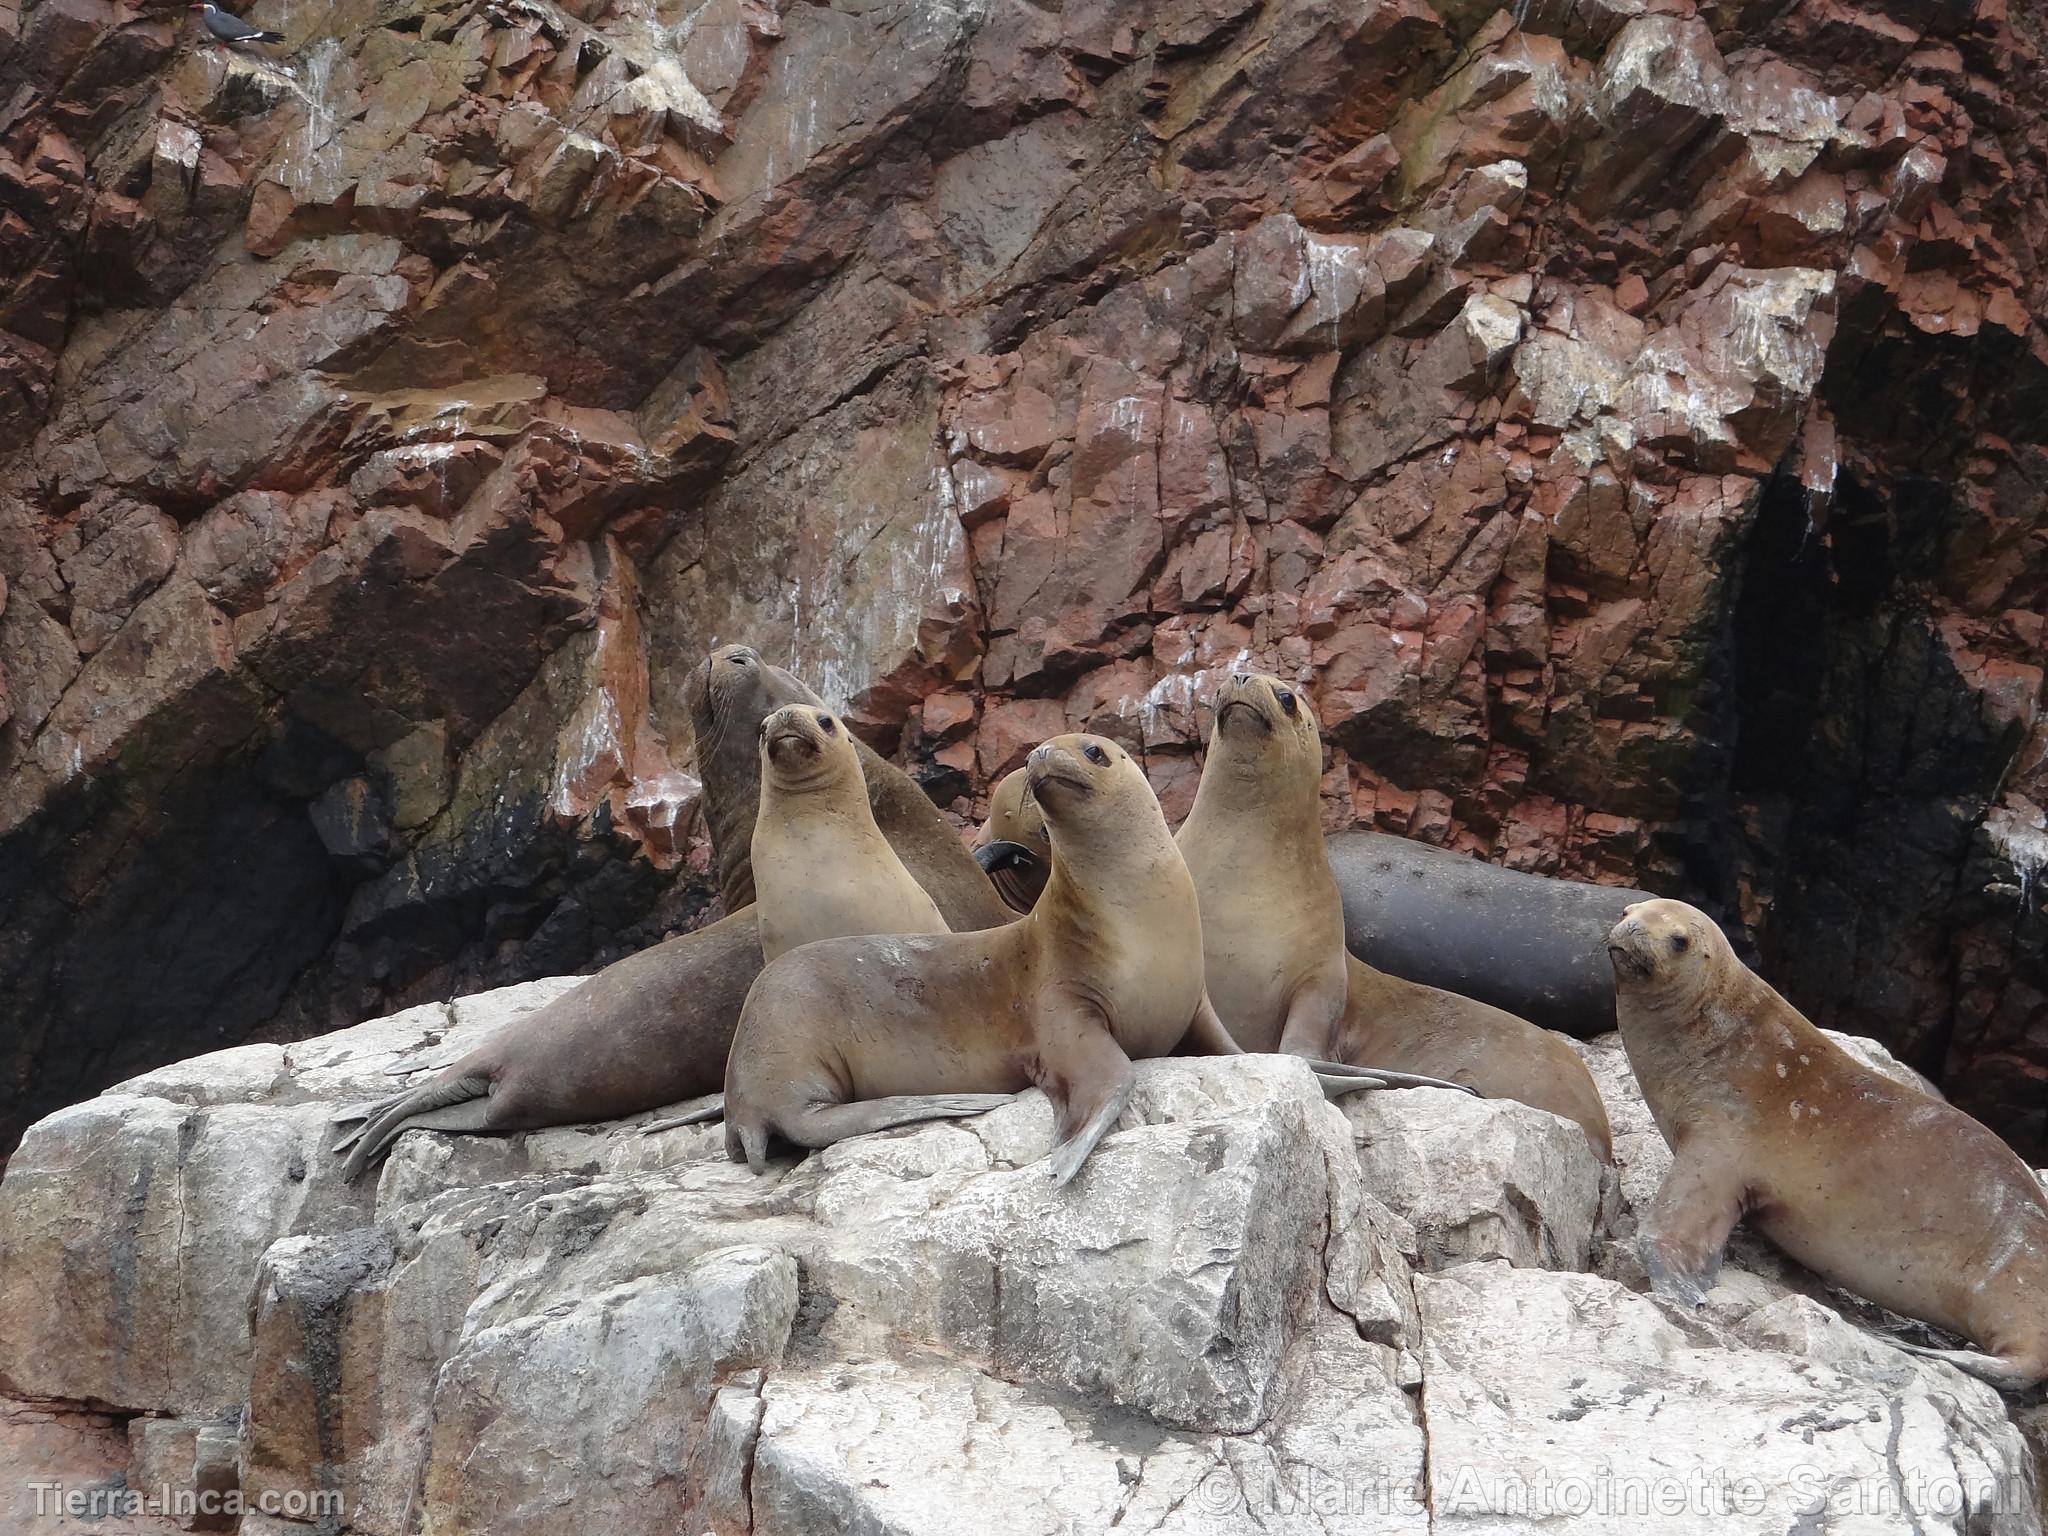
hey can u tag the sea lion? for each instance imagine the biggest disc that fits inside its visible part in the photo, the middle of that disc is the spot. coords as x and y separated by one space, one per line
1011 847
655 1027
730 695
1273 931
1528 944
860 1034
822 868
1870 1184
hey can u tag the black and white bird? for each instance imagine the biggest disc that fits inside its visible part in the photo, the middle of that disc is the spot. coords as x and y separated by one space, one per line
232 30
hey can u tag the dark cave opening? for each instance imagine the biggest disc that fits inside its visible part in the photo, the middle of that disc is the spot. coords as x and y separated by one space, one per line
1862 762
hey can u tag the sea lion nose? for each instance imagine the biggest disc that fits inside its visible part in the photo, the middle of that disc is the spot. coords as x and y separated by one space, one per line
1239 678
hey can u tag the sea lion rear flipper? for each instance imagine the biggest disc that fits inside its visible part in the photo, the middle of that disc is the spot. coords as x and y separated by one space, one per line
359 1115
1687 1226
2006 1375
1002 854
820 1125
703 1114
1380 1077
413 1108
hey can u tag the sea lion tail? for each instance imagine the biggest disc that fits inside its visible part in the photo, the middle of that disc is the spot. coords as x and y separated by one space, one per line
2005 1374
383 1122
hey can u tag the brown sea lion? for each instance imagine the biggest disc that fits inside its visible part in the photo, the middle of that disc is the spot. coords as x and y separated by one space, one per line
1011 846
655 1027
730 695
860 1034
1273 931
822 868
1529 944
1870 1184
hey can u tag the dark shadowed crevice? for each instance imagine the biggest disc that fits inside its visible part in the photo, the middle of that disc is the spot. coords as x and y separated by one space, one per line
1863 762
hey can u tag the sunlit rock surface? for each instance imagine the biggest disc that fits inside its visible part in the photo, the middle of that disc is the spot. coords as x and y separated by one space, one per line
1252 1310
1625 418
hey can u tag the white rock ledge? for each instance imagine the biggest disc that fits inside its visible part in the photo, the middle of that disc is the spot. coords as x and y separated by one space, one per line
1253 1311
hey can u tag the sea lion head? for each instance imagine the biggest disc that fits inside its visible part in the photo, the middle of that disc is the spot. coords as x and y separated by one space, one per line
806 748
1085 787
1666 952
1012 847
1263 727
729 696
735 688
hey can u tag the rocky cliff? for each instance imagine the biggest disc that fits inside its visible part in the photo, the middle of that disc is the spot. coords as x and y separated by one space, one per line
1251 1311
1627 415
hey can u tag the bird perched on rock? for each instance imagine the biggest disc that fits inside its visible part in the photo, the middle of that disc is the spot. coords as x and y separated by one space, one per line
232 30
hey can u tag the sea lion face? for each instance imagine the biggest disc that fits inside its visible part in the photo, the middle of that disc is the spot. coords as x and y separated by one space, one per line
802 746
1013 815
1257 712
1663 948
1083 783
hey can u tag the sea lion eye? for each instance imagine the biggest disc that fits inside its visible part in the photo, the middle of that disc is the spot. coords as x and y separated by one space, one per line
737 658
1286 700
1680 943
1095 755
825 724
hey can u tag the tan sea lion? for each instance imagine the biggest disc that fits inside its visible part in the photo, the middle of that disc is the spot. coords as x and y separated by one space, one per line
655 1027
1273 931
730 695
1011 847
822 868
860 1034
1873 1186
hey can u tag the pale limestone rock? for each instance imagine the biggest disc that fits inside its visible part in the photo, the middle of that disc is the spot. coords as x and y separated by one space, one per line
1249 1312
1480 1179
1554 1399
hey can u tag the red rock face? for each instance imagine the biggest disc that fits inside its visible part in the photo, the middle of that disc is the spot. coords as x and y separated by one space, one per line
1625 420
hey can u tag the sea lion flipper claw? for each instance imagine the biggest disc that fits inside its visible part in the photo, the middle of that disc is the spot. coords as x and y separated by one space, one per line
703 1114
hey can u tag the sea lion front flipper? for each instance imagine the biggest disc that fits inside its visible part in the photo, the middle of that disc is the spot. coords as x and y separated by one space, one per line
1688 1222
1086 1075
